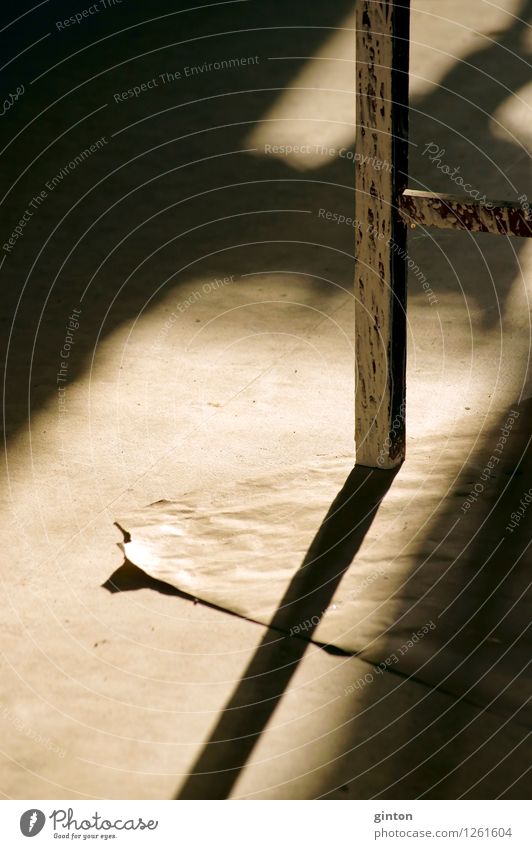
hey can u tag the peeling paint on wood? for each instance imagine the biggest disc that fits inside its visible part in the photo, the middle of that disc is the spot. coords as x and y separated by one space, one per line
458 213
382 33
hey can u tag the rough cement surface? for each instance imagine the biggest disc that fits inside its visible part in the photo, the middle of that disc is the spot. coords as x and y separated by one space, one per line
173 387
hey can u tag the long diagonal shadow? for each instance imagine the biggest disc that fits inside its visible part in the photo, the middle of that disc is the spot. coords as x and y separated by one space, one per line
276 659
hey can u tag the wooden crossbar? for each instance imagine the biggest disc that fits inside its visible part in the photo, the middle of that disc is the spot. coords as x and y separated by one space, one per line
458 213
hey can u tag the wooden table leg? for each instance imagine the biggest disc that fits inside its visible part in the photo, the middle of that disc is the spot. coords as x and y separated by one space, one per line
382 42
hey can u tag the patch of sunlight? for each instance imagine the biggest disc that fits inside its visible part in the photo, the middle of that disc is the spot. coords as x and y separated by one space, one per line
513 119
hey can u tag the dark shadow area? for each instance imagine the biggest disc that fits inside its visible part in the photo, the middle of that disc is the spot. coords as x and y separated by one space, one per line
482 643
458 117
272 667
473 580
168 197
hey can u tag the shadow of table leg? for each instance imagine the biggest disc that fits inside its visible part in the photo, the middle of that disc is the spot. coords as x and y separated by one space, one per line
278 655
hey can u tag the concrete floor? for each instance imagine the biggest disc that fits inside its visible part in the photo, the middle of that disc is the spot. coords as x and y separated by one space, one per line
177 383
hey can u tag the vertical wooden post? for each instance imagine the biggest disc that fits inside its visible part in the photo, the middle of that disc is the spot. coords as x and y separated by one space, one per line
382 42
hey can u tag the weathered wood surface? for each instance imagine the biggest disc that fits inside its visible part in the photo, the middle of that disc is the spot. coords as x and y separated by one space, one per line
458 213
382 47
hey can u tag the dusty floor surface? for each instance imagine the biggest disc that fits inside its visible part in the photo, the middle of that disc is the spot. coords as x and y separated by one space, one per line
215 349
